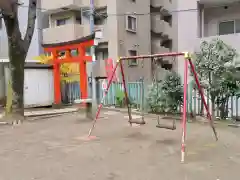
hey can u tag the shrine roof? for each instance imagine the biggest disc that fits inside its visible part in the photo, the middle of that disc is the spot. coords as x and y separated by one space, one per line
76 41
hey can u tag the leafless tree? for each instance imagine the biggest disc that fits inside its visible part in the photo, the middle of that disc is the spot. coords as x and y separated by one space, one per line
18 46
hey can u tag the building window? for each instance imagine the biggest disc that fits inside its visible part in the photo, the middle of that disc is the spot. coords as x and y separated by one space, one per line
237 26
78 19
60 22
99 20
132 62
229 27
102 54
131 23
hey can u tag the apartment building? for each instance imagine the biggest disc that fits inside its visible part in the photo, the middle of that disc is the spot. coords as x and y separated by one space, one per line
205 20
130 27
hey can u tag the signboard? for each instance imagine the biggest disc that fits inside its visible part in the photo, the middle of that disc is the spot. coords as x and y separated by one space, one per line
109 69
104 85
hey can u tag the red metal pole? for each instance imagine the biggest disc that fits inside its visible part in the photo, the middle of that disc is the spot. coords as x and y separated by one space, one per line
126 94
101 103
203 98
184 115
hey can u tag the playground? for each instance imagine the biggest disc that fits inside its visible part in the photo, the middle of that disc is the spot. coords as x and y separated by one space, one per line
54 149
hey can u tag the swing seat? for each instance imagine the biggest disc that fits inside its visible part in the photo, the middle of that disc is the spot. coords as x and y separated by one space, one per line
166 126
169 127
139 122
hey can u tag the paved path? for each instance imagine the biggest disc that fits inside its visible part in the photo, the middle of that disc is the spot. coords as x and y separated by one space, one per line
54 149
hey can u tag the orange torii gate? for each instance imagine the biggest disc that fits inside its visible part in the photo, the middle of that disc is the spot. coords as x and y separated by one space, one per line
79 46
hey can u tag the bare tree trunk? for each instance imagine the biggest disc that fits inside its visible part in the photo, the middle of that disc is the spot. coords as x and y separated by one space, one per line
17 55
213 110
18 49
202 109
224 108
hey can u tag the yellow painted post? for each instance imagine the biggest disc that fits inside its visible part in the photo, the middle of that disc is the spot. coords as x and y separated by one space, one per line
9 101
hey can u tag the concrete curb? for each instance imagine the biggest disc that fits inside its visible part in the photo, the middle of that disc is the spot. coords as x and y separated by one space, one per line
42 114
234 125
50 112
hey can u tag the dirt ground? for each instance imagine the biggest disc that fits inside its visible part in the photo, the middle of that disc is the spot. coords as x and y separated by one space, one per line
53 149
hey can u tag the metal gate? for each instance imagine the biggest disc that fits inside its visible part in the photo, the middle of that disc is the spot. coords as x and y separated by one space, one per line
70 83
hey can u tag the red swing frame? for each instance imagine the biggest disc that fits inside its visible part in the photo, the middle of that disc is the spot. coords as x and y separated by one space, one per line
187 62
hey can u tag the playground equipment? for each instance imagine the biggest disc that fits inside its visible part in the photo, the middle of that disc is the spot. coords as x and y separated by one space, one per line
164 126
163 64
187 62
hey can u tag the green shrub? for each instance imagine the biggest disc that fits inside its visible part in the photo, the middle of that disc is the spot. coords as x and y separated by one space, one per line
166 96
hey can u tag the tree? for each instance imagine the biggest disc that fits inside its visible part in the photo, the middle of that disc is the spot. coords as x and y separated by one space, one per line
216 66
18 48
166 96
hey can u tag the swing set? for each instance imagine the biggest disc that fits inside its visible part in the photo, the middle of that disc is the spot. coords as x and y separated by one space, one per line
187 62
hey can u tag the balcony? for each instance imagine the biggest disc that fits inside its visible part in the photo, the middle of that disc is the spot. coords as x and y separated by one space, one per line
230 39
217 2
157 48
100 3
71 32
52 6
161 27
165 5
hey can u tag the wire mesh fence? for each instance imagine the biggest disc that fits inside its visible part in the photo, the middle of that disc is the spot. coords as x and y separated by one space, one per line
195 103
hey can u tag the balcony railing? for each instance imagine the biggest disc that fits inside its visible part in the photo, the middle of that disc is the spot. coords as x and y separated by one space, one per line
161 26
71 32
166 6
62 5
230 39
100 3
157 48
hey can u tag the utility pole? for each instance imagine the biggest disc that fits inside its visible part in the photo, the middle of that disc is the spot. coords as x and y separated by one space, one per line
93 88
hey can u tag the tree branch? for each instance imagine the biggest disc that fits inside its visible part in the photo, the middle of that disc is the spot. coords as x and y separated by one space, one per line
7 6
32 11
12 26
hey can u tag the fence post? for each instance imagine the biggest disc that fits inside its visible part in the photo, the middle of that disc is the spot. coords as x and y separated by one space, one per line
190 98
142 94
236 107
231 106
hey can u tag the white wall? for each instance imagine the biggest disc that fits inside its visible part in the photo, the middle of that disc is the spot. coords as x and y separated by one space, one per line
2 92
212 18
187 31
217 14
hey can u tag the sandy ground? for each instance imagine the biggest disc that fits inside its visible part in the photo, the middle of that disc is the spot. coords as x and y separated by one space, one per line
54 149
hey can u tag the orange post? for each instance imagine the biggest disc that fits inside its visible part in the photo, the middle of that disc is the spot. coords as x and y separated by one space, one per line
57 81
83 73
